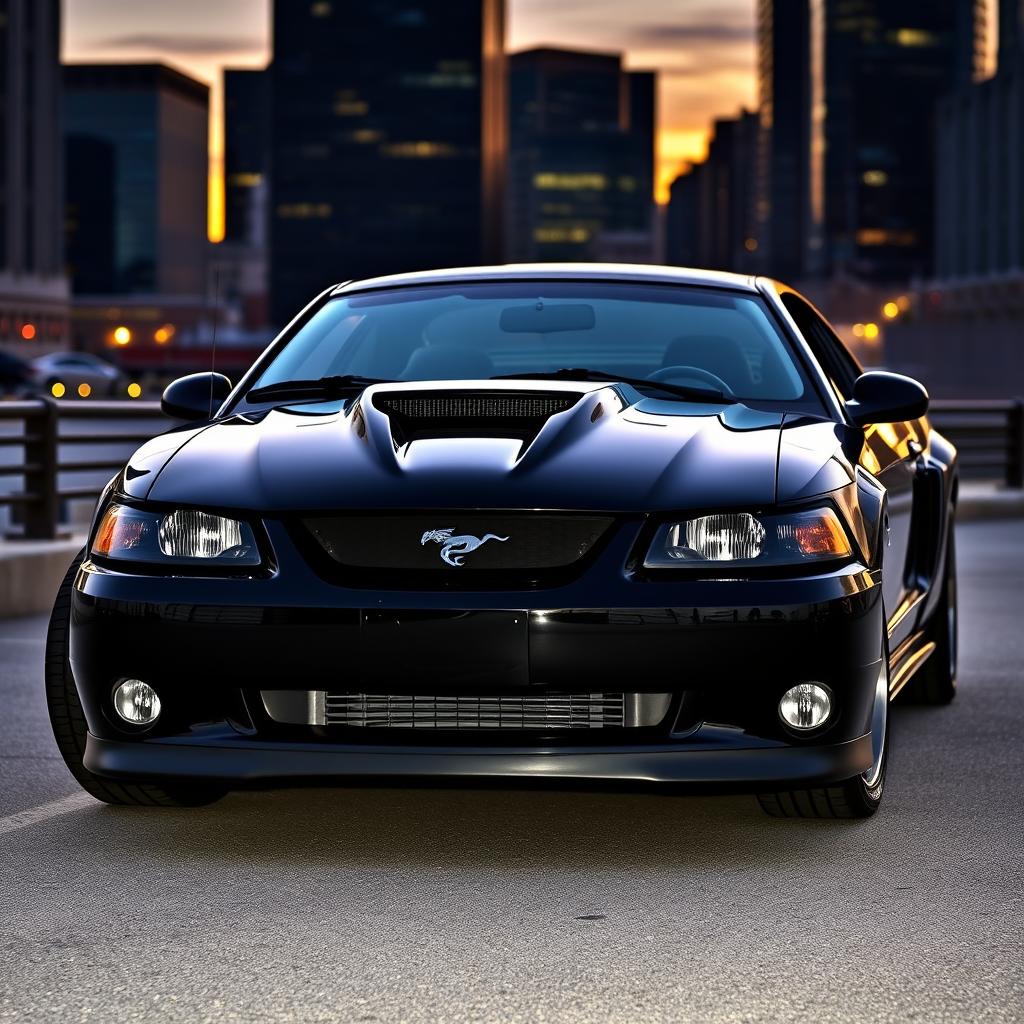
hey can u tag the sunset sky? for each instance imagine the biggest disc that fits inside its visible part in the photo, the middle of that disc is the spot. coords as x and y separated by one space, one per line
704 51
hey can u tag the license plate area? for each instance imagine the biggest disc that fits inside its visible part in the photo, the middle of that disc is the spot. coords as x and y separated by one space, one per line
442 652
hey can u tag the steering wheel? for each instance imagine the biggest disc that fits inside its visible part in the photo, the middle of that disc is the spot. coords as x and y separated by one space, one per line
671 375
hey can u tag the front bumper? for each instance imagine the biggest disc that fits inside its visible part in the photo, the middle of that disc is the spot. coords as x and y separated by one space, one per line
234 759
724 650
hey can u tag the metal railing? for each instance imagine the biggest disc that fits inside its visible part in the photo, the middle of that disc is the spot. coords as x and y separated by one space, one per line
54 471
68 451
989 437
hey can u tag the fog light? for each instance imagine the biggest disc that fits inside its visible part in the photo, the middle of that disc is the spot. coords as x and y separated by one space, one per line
805 706
136 702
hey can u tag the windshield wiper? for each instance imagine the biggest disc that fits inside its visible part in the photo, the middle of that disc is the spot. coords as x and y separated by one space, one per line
584 373
318 387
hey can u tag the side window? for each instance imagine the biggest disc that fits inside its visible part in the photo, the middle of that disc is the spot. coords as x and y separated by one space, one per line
831 353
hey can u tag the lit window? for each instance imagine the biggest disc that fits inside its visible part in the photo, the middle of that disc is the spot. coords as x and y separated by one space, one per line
575 234
350 108
915 37
441 80
365 135
874 178
321 9
245 179
422 150
304 211
578 181
881 236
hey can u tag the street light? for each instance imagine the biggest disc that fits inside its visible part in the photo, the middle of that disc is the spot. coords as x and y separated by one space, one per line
122 336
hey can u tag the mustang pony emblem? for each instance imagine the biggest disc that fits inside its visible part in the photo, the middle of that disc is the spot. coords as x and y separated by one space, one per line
453 548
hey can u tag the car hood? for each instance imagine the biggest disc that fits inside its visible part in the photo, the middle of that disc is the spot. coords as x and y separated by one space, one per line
612 450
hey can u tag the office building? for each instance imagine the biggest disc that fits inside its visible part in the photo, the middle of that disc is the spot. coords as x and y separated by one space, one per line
789 200
581 168
711 219
239 263
246 152
135 139
33 288
388 141
887 63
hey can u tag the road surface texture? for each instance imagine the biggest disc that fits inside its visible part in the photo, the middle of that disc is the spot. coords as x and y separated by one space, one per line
388 905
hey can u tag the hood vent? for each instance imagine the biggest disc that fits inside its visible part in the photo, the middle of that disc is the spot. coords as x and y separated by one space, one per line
421 414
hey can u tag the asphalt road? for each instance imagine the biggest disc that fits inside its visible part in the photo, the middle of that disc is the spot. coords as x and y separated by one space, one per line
384 905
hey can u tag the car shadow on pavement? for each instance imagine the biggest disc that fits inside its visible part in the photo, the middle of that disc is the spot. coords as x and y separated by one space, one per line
436 827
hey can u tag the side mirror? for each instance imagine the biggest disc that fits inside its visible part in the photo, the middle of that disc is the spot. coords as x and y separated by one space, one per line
883 397
195 397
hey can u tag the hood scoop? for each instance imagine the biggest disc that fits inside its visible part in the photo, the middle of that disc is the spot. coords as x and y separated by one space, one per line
417 415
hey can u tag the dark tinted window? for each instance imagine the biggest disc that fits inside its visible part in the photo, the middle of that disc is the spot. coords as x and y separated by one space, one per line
840 367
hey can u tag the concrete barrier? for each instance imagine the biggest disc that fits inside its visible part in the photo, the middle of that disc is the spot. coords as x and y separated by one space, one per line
30 573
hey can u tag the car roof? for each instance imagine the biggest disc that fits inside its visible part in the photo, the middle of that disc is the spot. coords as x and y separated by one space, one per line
628 272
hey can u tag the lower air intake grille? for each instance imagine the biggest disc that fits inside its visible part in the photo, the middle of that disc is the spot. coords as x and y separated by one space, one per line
544 711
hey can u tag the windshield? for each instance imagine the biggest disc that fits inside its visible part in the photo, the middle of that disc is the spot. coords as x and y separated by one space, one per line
700 337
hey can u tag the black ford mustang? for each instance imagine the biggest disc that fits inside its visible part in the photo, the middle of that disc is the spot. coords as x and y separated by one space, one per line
561 521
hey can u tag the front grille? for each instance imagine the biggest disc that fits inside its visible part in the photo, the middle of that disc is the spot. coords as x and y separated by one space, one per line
541 712
458 543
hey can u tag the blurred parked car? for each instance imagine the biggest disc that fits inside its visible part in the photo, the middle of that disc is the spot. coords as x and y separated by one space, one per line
15 375
73 369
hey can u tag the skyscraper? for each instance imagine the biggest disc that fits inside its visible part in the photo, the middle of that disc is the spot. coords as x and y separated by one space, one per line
246 152
979 218
388 132
581 153
711 219
887 63
1011 30
789 200
33 289
136 183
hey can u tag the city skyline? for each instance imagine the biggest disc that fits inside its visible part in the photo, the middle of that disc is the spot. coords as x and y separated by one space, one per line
704 53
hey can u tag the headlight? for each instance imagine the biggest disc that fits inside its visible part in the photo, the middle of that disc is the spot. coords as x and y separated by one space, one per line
739 540
182 537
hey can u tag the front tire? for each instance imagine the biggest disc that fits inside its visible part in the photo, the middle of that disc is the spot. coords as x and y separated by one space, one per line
69 726
858 797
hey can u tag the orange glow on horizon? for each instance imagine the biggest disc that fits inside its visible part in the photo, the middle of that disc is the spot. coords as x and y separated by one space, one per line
677 148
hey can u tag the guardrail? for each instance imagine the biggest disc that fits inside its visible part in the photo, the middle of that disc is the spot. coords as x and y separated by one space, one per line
988 434
53 463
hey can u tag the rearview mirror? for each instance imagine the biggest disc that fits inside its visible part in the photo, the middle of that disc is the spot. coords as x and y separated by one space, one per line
883 397
195 397
541 318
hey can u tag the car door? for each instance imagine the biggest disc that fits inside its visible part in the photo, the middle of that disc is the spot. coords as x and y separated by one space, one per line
891 453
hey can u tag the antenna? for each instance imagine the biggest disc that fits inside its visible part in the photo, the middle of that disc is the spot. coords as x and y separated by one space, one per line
213 343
